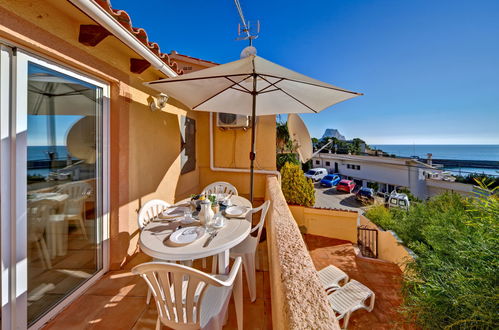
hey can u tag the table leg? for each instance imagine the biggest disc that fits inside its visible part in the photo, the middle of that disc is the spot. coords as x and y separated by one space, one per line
223 262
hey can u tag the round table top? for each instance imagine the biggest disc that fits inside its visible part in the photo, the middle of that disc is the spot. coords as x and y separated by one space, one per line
154 237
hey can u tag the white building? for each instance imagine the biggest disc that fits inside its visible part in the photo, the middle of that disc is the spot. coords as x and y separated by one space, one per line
421 179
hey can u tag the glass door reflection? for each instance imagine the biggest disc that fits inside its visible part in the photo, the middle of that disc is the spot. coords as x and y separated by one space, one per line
63 186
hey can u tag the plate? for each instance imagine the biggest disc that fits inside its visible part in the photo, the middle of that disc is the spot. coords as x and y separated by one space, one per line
171 213
235 211
186 235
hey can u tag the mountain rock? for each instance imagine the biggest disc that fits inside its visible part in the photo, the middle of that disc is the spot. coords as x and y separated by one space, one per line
333 133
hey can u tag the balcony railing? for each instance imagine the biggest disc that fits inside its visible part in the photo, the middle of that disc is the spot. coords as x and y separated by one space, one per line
298 299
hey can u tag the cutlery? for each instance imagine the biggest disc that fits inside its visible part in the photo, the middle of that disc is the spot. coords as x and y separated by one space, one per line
212 236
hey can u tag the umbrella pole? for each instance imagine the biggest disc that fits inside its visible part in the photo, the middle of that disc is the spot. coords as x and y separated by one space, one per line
252 153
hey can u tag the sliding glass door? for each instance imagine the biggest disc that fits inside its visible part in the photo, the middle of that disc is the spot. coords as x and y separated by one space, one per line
58 156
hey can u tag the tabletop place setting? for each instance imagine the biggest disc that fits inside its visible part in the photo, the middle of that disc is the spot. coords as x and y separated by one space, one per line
216 224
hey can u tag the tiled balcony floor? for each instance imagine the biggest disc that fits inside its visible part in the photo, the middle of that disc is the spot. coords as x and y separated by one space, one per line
384 278
118 301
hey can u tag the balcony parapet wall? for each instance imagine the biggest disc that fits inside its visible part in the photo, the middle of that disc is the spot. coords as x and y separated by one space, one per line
298 299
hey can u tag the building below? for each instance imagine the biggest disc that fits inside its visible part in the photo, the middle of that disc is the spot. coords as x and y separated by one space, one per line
386 174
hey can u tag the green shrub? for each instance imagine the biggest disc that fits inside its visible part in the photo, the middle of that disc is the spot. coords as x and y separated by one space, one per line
282 159
453 282
380 215
297 189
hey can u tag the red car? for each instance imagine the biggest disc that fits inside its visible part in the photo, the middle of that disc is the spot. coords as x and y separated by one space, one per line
346 186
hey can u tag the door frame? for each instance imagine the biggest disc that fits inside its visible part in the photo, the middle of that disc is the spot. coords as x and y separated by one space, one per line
13 220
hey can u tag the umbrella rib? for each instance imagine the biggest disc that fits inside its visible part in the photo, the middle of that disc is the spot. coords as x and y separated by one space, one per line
291 96
239 84
312 84
241 90
199 78
268 91
214 95
271 84
294 98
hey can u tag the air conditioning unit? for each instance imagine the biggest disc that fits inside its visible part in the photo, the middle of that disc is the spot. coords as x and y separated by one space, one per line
229 120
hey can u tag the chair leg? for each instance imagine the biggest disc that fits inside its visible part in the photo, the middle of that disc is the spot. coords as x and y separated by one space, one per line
214 264
203 263
345 320
158 324
82 227
40 254
148 299
257 258
237 292
45 252
249 268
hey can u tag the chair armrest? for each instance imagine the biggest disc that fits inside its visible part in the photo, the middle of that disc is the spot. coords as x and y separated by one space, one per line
232 275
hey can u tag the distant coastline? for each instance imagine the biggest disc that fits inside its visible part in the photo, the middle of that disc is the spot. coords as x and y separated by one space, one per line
441 151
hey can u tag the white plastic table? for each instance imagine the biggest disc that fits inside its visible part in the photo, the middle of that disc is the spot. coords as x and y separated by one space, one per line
154 236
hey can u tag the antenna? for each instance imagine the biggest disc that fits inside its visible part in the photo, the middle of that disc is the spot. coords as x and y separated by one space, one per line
244 28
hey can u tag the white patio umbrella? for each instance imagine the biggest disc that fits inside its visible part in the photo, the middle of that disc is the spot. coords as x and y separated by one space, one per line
252 86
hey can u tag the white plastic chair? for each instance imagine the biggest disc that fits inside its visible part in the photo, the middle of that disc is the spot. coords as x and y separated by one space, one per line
349 298
247 248
187 298
220 187
150 210
74 206
331 277
38 215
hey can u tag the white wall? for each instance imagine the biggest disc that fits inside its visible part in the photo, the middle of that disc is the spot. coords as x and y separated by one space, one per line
393 174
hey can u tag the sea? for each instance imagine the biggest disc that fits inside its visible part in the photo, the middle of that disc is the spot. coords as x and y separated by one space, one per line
449 151
42 153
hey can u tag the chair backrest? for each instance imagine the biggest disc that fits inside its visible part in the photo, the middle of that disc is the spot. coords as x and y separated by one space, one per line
179 290
76 190
38 213
150 210
220 187
77 193
259 226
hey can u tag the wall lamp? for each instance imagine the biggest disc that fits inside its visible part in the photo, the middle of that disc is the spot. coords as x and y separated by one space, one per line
160 103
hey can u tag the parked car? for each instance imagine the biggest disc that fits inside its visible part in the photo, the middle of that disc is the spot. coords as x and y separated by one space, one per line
316 174
330 180
398 200
365 195
346 186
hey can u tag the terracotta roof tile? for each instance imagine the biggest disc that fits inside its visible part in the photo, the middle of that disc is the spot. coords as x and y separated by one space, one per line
173 52
124 19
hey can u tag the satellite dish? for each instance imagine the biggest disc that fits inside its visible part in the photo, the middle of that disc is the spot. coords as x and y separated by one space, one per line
81 140
248 51
299 133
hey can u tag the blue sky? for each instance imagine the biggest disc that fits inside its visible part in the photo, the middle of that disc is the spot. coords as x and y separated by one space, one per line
429 69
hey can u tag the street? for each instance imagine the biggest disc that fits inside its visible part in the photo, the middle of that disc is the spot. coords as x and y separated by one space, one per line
330 198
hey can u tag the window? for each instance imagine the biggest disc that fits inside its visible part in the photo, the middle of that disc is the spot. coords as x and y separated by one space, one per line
317 162
348 165
328 164
358 167
187 144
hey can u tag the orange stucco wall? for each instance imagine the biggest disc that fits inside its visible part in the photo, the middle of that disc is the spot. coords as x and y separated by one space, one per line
325 222
144 145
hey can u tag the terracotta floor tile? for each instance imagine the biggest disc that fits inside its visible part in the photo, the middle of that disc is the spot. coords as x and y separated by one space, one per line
120 313
147 319
117 301
122 283
80 314
382 277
